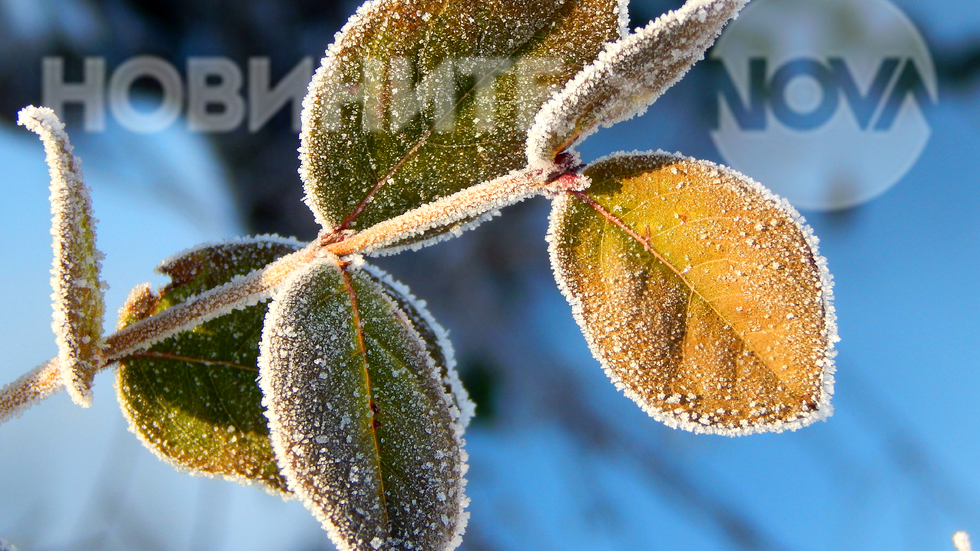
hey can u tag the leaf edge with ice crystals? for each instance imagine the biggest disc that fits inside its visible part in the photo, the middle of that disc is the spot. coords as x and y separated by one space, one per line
577 111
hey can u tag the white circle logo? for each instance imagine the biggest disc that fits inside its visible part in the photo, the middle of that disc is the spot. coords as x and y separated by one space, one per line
822 101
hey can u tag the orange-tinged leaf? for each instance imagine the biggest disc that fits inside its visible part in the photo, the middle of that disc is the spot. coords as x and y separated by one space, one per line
703 295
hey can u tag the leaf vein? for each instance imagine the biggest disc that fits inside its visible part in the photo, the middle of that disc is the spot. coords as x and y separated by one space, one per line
359 328
619 223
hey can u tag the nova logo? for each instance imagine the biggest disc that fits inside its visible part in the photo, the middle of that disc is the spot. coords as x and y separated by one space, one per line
825 102
832 81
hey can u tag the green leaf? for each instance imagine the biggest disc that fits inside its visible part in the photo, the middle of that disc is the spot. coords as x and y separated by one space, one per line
702 294
75 275
412 91
193 398
629 75
363 427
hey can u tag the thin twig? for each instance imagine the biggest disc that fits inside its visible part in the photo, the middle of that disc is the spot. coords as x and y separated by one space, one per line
238 293
468 204
45 380
32 387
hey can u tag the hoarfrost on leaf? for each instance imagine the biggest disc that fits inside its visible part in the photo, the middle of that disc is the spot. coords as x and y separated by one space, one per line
701 294
676 291
77 289
362 425
410 89
192 398
436 340
628 76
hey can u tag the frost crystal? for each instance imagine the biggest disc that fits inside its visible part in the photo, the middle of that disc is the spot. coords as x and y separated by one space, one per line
628 76
77 289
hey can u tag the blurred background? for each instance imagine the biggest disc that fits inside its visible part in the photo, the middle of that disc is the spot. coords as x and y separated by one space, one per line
559 459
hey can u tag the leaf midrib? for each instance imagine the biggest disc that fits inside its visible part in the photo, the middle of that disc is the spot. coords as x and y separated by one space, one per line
619 223
362 349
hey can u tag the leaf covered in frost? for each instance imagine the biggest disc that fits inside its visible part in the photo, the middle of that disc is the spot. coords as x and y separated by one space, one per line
194 398
363 427
628 76
701 293
410 90
75 274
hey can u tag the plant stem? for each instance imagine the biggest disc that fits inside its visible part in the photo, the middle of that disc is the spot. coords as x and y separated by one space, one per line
458 209
32 387
461 208
238 293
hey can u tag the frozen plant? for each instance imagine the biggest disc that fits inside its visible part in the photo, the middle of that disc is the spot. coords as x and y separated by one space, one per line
303 369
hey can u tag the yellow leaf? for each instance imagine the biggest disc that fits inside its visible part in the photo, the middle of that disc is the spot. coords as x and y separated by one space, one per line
702 294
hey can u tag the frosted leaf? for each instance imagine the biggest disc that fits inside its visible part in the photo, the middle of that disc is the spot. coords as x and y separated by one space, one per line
962 541
193 398
77 290
628 76
362 426
410 92
702 295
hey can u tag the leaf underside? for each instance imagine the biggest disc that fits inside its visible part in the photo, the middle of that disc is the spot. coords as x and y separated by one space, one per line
444 82
362 425
194 398
76 283
702 295
629 75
